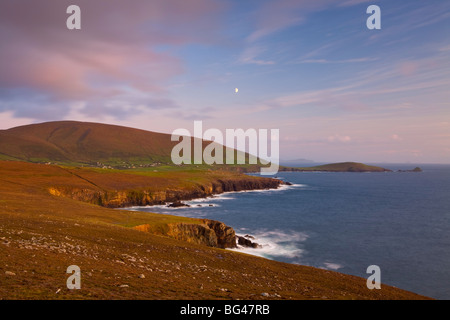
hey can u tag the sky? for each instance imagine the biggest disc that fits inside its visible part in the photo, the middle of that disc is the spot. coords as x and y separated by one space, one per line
336 90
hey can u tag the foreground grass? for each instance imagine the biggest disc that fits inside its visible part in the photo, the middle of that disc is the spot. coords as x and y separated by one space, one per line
41 235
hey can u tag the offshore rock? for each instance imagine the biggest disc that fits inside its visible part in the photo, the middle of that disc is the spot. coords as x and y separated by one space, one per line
243 241
178 204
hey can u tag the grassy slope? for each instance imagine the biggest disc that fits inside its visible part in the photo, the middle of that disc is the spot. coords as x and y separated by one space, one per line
86 143
41 235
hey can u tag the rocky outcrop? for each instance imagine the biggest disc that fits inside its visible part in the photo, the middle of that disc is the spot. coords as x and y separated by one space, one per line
193 233
209 232
226 236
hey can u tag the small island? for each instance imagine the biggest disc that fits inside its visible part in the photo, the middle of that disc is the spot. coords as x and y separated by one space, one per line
338 167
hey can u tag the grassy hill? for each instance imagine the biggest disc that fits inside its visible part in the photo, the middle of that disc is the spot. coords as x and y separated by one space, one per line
71 142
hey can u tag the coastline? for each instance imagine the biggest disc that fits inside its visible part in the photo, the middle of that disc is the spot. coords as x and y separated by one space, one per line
222 195
120 262
147 193
253 245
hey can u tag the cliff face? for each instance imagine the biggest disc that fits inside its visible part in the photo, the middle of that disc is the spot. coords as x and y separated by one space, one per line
143 197
226 236
210 233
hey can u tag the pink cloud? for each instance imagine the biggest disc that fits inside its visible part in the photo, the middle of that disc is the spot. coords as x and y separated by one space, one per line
117 48
396 137
339 138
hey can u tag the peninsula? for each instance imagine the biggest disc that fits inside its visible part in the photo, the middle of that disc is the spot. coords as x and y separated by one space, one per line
59 185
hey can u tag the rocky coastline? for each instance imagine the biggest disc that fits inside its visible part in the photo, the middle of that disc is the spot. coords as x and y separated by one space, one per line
207 232
149 197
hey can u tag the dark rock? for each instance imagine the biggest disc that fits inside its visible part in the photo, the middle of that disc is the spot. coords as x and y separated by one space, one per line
247 243
178 204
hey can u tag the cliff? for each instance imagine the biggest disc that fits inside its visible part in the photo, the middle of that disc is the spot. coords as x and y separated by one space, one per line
151 196
208 232
115 191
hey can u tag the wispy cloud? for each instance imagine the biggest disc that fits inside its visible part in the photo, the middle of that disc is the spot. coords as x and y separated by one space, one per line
251 54
100 64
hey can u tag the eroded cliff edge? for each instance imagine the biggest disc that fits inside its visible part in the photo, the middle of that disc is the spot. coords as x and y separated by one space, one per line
211 233
207 232
150 196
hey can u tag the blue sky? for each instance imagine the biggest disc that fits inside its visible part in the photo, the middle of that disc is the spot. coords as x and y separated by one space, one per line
336 90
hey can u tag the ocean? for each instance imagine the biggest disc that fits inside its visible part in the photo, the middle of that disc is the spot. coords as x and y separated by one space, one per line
399 221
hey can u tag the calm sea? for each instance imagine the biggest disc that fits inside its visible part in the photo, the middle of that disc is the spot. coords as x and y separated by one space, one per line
346 222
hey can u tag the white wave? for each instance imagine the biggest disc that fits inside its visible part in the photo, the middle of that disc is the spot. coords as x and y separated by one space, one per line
332 266
200 200
228 195
275 244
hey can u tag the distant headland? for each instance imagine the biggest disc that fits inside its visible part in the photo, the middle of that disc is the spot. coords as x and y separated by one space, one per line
339 167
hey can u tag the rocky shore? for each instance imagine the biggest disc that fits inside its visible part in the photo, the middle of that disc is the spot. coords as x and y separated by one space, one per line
207 232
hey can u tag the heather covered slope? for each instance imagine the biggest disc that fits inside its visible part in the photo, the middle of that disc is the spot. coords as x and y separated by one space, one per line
41 234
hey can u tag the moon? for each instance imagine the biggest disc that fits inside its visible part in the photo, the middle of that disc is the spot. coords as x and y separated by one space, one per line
236 90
